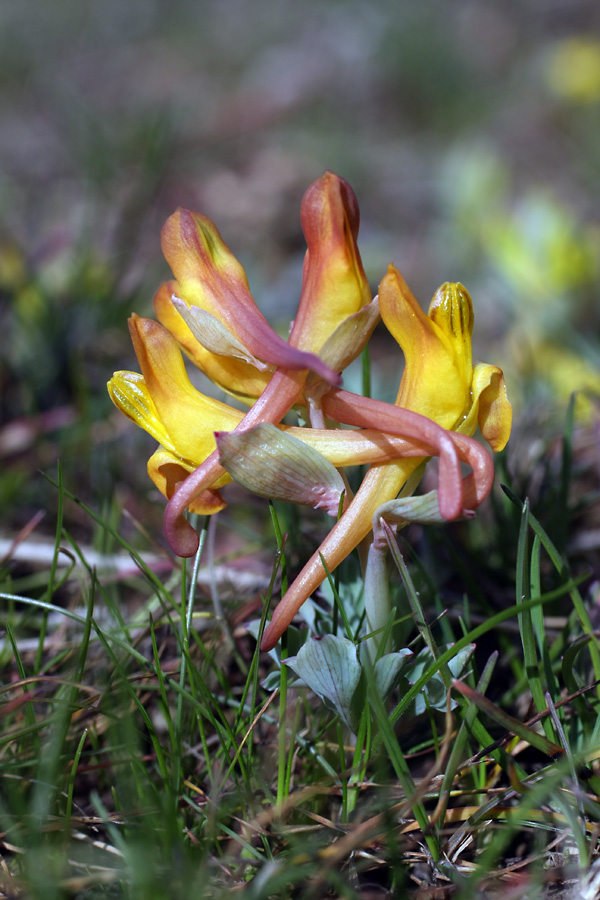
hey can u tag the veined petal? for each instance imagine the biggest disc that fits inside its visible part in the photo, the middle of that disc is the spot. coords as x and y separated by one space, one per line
272 463
129 393
189 417
167 472
209 276
423 508
334 284
343 447
213 335
452 309
236 377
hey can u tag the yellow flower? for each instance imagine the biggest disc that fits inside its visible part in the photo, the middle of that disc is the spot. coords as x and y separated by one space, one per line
439 381
184 421
573 69
210 312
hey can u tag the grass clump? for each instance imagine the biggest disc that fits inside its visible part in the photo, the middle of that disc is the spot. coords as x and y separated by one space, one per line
150 750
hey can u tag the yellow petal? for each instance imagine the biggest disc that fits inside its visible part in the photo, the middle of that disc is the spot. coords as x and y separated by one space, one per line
189 417
433 382
490 398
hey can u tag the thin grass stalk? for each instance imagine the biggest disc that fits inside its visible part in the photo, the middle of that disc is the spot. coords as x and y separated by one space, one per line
365 372
401 768
335 581
87 631
566 475
539 629
469 712
342 765
360 757
338 606
282 722
71 784
524 619
283 673
291 751
53 566
29 708
186 618
563 570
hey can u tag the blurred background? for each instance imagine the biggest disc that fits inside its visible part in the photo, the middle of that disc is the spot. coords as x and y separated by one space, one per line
469 131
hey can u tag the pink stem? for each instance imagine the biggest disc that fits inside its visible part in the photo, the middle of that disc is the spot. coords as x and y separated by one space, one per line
352 409
272 405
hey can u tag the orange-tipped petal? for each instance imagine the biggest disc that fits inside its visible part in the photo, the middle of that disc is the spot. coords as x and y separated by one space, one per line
334 282
209 276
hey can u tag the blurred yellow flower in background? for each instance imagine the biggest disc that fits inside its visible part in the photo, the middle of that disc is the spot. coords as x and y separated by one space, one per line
572 69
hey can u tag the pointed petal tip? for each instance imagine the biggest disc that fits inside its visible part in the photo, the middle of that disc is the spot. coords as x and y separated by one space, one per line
327 193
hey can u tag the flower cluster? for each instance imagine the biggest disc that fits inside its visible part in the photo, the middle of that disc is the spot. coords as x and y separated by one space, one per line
208 312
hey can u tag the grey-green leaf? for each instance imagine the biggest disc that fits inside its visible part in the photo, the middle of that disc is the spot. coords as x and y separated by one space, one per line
388 669
330 667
